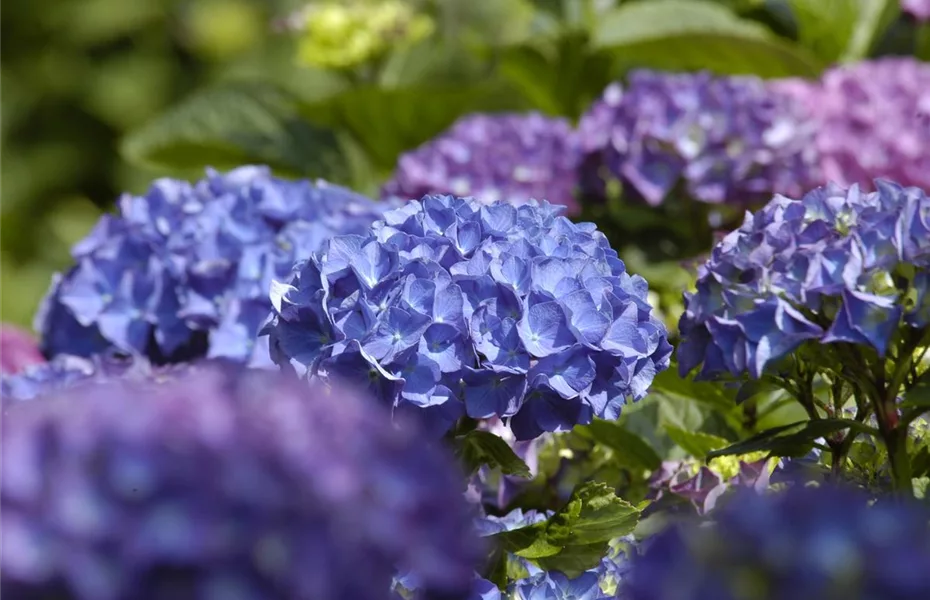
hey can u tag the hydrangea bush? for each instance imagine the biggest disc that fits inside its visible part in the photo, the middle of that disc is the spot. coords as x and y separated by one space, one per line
223 485
456 308
834 286
805 544
494 157
184 271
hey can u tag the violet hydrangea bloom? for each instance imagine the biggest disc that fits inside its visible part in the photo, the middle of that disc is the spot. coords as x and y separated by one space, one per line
184 271
224 485
723 139
494 157
873 120
18 350
804 544
450 307
920 9
825 268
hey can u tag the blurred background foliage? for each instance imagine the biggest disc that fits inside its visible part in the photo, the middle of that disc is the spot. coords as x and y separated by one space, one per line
102 96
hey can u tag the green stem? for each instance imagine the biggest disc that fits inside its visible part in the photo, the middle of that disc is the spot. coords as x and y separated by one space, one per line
896 443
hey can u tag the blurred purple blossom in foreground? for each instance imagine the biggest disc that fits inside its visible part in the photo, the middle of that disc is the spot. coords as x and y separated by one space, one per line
513 158
805 544
222 486
919 8
873 120
18 350
724 139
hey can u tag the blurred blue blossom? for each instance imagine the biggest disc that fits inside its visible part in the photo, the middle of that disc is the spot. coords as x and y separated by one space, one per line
723 139
225 485
185 270
452 308
512 158
804 544
839 265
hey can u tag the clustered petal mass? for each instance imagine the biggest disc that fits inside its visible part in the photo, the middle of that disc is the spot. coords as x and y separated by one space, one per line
184 271
18 350
703 485
722 139
494 157
804 544
873 120
920 9
816 269
223 485
450 307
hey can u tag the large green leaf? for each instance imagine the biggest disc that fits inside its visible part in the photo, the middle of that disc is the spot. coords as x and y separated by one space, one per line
477 448
388 122
234 124
575 538
697 34
696 443
842 30
630 449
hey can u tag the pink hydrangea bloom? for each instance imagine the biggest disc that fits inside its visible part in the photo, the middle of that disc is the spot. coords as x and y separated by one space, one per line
919 8
18 350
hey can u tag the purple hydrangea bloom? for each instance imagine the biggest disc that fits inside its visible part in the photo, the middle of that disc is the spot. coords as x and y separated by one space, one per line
496 157
451 308
805 544
920 9
225 485
723 139
816 269
18 350
184 271
873 120
703 486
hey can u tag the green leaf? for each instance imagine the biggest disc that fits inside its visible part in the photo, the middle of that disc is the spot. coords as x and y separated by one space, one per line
695 443
793 439
697 34
575 538
842 30
631 450
234 124
388 122
669 383
477 448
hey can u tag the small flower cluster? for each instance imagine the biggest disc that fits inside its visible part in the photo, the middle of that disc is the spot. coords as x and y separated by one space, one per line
725 139
804 544
703 485
349 34
224 485
450 307
873 120
828 267
184 271
506 157
18 350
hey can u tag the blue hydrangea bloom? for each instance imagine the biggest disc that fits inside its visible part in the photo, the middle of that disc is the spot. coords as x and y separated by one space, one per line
818 269
450 307
494 157
805 544
184 271
723 139
225 485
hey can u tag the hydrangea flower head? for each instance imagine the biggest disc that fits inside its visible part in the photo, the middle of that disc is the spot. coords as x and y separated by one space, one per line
449 306
723 139
18 350
223 485
804 544
494 157
184 271
920 9
873 120
817 269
